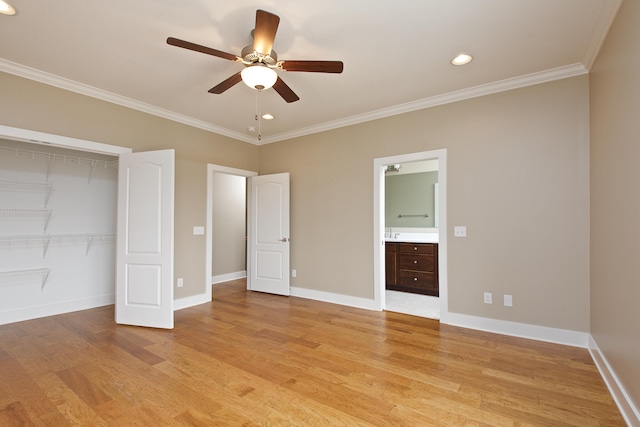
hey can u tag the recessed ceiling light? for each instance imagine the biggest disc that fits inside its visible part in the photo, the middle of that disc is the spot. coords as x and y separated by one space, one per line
268 116
462 59
6 9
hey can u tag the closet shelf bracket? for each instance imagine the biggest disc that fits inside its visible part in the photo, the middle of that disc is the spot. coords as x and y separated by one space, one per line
43 272
52 157
93 170
47 217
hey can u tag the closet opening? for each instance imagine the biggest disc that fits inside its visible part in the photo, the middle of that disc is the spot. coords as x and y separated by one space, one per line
57 224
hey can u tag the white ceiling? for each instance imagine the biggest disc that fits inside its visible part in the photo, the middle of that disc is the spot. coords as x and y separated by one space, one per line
396 53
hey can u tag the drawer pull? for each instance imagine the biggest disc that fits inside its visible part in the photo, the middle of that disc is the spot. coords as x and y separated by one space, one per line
415 262
415 248
415 279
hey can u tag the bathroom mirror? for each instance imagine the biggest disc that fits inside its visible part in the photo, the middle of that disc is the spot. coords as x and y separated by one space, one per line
411 195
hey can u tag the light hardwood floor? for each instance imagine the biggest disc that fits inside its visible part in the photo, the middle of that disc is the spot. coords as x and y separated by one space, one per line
257 359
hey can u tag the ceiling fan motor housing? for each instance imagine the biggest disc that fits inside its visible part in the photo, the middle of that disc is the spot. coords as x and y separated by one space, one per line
250 56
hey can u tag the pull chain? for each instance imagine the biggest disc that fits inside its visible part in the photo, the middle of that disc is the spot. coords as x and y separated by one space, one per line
258 114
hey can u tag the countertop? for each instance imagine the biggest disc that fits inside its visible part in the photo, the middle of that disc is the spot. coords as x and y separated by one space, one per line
413 238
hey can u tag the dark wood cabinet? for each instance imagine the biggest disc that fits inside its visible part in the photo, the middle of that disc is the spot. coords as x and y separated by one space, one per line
412 267
391 263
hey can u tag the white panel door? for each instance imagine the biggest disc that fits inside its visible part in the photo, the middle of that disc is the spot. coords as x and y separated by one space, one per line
268 234
144 265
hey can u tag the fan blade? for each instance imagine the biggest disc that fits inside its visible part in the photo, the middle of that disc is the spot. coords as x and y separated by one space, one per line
285 91
265 31
198 48
313 66
231 81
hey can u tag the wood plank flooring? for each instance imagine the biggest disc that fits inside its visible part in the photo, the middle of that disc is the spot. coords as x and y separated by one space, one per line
252 359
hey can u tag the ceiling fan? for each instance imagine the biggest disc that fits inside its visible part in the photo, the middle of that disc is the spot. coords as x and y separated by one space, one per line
261 61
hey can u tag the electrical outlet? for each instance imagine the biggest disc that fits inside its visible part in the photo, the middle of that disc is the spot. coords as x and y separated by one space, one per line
180 282
198 231
293 273
508 301
488 298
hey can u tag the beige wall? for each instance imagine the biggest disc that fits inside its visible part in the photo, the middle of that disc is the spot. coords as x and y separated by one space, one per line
34 106
518 179
615 205
229 224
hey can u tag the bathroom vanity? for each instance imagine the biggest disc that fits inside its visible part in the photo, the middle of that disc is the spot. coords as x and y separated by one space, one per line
412 267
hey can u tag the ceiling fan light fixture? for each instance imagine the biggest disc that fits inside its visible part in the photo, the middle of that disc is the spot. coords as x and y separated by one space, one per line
259 77
6 8
462 59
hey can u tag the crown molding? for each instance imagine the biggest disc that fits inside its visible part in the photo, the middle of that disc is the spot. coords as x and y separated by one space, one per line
607 15
447 98
70 85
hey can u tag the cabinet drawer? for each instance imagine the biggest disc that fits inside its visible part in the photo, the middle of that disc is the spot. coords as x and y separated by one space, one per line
417 280
417 262
417 248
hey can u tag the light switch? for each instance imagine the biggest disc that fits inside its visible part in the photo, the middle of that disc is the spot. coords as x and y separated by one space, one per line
198 231
460 231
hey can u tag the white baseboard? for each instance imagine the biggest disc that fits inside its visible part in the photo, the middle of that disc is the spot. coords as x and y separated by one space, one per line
36 312
357 302
629 411
229 276
540 333
521 330
180 303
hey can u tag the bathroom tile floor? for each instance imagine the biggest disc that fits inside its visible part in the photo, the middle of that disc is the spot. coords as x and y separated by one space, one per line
413 304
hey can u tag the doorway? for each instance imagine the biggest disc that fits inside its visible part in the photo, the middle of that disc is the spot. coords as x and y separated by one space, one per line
43 251
209 235
379 223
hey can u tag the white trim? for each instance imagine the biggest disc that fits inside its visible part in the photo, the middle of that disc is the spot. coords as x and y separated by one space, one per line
211 169
93 92
629 411
460 95
607 15
36 312
181 303
35 137
447 98
521 330
228 277
378 225
340 299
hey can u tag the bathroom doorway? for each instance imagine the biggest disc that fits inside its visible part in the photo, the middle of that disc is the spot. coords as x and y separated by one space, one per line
411 224
410 303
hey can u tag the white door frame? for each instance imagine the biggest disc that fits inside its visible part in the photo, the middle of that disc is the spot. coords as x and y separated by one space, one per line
378 224
211 169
